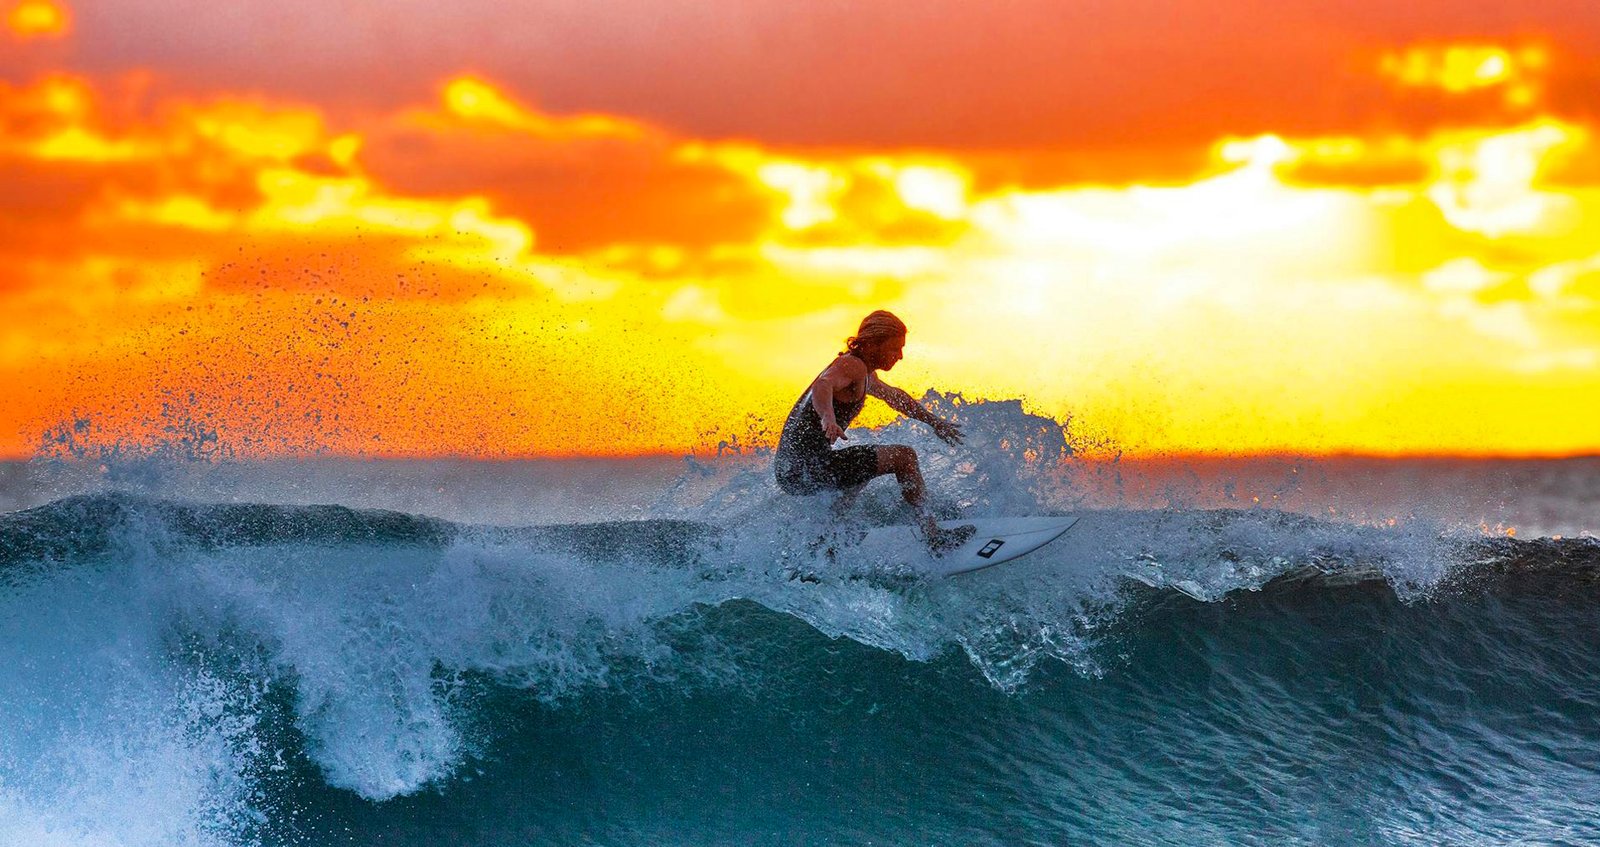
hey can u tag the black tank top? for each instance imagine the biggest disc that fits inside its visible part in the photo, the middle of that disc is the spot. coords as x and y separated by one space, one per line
802 430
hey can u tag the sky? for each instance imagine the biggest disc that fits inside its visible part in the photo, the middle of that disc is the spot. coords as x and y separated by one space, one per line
590 228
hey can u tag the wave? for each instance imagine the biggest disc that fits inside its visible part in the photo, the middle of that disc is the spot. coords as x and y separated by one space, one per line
83 526
240 663
1262 545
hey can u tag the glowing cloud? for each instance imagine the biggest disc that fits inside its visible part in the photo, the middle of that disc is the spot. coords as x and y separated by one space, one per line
1465 68
38 19
474 99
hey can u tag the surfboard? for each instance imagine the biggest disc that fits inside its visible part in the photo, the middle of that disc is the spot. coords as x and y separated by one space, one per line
998 540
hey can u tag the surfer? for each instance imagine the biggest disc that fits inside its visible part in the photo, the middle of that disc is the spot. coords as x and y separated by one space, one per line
806 462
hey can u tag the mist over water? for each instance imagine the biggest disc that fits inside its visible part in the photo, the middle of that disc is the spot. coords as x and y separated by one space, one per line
669 651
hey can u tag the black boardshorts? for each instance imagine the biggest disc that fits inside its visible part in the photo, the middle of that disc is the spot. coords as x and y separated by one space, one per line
837 470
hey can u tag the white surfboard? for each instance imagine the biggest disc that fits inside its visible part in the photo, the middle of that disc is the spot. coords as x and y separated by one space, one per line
997 540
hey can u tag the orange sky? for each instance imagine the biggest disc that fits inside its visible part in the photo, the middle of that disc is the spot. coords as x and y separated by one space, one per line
1222 227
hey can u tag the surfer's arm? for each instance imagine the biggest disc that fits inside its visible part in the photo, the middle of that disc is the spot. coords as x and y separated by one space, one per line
905 404
836 376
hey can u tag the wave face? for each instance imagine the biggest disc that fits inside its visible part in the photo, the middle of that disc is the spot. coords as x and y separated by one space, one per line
177 672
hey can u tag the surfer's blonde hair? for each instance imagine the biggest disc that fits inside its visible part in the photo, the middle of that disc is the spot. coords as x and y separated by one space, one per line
875 327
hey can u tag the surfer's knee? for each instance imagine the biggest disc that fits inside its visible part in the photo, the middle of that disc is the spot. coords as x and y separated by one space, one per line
902 462
897 459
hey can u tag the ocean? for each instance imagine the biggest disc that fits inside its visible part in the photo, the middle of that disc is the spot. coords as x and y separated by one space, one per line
667 651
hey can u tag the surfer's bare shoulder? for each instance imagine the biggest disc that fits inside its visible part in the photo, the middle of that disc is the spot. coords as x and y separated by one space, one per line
842 373
849 366
845 374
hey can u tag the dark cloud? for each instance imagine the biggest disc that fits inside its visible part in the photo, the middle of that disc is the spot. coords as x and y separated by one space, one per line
943 73
38 200
576 193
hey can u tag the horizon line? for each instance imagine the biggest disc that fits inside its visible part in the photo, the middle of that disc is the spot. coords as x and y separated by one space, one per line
713 454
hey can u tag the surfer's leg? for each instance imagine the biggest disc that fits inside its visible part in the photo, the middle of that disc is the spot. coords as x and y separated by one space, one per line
902 462
847 500
850 469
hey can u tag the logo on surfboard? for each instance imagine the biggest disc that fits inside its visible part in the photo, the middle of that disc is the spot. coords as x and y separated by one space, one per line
991 548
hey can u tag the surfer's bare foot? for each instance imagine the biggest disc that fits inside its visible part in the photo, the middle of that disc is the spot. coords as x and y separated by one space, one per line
945 540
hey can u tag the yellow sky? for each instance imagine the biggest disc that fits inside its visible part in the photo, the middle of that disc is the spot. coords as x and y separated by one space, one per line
465 272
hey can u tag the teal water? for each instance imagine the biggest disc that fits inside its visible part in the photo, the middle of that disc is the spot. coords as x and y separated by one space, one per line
183 672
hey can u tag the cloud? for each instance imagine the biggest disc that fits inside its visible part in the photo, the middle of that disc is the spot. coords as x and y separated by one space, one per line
37 19
1463 68
580 182
1030 74
1576 282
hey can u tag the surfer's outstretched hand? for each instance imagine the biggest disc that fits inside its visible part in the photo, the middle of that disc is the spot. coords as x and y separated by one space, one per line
948 432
